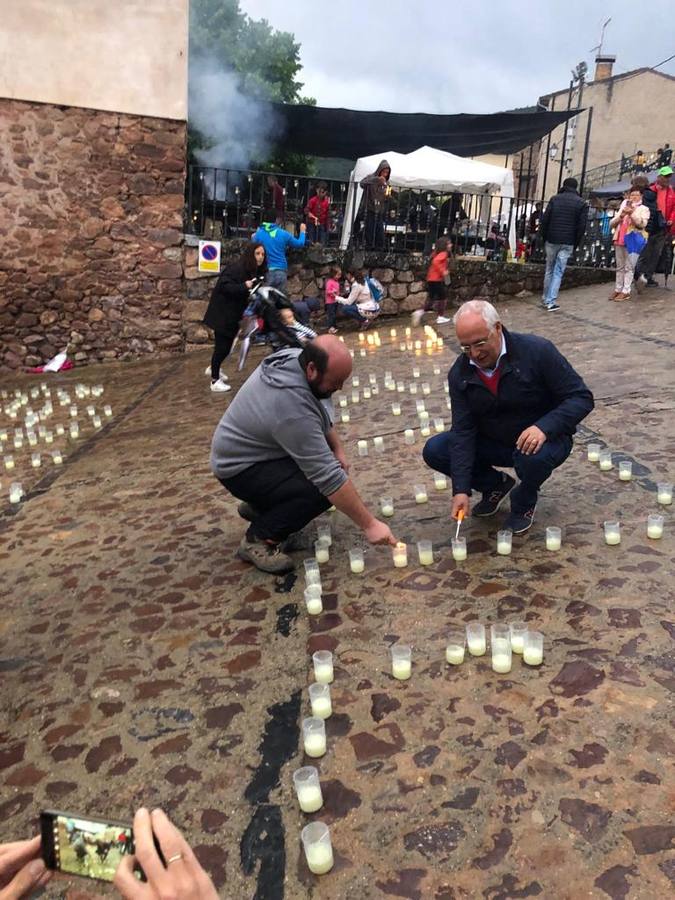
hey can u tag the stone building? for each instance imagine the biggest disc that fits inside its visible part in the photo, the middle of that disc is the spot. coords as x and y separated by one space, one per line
631 111
93 110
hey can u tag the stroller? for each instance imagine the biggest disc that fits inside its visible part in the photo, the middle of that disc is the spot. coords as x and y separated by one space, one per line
262 315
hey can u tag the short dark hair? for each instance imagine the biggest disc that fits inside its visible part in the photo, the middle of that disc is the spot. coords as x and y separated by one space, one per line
571 183
322 186
639 183
313 354
334 270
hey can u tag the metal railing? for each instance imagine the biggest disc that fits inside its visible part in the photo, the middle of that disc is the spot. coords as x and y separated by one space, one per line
228 203
615 170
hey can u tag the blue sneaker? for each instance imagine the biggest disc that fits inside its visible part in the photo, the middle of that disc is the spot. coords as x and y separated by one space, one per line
518 522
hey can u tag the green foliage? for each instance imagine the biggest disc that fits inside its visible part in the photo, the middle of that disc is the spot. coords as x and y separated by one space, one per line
266 60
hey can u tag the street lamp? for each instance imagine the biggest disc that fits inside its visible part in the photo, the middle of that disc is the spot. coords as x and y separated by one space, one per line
553 152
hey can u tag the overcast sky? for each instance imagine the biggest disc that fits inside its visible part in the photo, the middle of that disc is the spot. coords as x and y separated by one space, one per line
476 56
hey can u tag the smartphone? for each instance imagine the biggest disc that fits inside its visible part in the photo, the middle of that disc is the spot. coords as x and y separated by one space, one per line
89 847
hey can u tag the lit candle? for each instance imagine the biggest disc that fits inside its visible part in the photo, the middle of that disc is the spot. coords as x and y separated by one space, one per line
459 549
553 538
392 333
314 736
355 396
321 551
420 494
475 638
425 552
362 351
342 402
625 470
654 526
73 412
35 460
318 849
416 372
423 417
319 698
400 555
362 337
367 393
664 494
504 542
323 532
439 426
396 409
9 463
425 431
344 418
323 666
412 387
390 385
60 430
107 409
593 452
533 650
356 561
612 533
372 378
57 457
454 650
387 507
518 630
313 599
379 444
32 438
440 481
437 370
409 436
15 492
308 789
426 387
362 448
605 460
408 332
401 662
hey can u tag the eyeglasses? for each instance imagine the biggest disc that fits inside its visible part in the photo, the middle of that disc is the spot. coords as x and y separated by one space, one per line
477 345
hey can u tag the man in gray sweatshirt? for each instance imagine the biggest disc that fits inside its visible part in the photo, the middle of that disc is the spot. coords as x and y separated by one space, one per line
276 449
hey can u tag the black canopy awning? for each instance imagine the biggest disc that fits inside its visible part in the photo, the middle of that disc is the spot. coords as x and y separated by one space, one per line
351 133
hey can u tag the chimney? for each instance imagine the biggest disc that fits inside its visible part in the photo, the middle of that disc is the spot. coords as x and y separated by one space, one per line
603 67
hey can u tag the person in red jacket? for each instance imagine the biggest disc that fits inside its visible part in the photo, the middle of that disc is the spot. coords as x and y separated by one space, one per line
659 233
317 214
437 292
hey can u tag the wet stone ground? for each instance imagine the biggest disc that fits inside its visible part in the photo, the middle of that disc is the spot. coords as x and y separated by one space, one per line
142 663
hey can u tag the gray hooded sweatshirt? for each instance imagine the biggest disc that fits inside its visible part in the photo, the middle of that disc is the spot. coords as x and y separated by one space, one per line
275 415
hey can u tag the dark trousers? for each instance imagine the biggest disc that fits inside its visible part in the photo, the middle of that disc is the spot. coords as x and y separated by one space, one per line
436 297
374 231
283 498
316 234
222 346
651 254
532 470
331 314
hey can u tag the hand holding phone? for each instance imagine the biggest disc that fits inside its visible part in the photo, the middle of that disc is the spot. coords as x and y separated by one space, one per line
179 874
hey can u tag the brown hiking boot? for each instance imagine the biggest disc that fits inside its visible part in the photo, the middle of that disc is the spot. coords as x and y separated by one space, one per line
265 556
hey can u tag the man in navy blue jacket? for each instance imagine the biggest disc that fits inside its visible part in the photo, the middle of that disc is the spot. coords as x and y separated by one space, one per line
516 402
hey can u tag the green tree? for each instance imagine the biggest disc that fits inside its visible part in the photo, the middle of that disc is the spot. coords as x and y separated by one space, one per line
266 61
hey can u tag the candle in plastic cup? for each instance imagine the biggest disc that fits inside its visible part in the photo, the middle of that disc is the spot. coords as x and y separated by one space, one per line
416 372
420 406
396 409
612 533
420 494
367 393
57 457
356 561
605 460
401 661
35 460
518 630
323 533
426 387
355 396
32 439
308 789
425 551
379 444
107 410
454 649
412 387
423 417
313 599
425 431
321 551
400 555
74 431
49 437
664 493
344 418
362 447
318 848
362 351
437 370
593 452
314 736
9 463
504 542
408 332
625 470
501 655
440 481
387 507
400 386
654 526
15 492
439 426
533 650
553 538
356 381
323 666
475 638
409 436
319 697
392 332
342 401
459 549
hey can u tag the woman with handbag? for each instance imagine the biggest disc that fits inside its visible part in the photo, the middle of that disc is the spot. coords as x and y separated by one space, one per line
630 237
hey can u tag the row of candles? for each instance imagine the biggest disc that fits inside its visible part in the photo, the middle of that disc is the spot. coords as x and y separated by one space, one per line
596 453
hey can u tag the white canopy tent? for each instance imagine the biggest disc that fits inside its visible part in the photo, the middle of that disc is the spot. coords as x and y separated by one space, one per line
433 170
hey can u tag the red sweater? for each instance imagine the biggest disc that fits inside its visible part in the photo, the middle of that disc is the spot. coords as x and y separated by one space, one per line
319 208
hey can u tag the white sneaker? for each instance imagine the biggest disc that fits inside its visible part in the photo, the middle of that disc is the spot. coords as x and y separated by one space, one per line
219 387
442 320
416 317
223 375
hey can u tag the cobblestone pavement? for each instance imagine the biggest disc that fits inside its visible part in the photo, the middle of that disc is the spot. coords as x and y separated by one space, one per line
142 663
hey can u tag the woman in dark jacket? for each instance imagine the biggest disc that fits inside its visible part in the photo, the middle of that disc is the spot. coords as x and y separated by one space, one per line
228 301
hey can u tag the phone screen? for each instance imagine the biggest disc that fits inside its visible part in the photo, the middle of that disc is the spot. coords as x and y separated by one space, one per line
89 848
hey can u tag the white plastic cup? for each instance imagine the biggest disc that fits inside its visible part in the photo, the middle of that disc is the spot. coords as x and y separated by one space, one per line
314 736
420 406
612 533
401 661
459 549
425 552
400 555
655 526
318 848
475 638
593 452
313 602
412 387
319 697
504 542
308 789
605 460
664 493
362 447
356 561
409 436
501 655
439 426
35 460
553 538
396 409
387 507
15 492
324 533
440 481
517 631
455 648
378 442
321 551
426 388
625 470
322 661
533 650
421 495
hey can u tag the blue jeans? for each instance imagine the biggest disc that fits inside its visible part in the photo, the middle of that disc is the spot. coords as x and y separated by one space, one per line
351 310
316 234
277 278
532 470
556 260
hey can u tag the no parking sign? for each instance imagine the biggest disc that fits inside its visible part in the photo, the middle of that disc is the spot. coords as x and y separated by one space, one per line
209 256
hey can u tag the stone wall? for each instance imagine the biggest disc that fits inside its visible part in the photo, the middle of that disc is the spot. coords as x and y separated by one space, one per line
403 279
91 233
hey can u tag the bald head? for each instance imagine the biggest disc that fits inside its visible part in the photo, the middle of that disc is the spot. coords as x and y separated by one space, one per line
327 363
